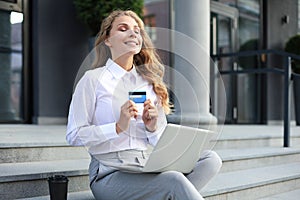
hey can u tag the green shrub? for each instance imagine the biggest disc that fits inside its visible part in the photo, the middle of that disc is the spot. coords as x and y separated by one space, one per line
249 62
293 46
92 12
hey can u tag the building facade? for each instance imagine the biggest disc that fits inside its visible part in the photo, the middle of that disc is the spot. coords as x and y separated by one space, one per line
42 45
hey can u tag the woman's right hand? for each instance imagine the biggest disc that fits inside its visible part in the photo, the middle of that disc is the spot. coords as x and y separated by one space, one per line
128 110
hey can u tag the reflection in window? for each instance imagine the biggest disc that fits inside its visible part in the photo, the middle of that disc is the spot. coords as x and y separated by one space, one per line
249 18
150 24
249 21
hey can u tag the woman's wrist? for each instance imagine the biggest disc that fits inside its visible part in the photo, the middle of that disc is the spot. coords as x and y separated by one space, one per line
151 130
118 129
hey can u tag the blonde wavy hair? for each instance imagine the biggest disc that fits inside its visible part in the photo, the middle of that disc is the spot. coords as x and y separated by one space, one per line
147 61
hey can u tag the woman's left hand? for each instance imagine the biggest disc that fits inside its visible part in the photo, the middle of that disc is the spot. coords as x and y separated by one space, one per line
150 115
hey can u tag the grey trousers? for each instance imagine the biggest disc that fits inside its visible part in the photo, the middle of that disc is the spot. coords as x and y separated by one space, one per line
109 183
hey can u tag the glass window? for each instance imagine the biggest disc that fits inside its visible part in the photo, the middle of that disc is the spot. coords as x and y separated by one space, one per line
150 26
11 66
249 18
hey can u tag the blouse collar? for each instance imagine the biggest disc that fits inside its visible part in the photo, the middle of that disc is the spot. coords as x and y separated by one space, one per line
117 71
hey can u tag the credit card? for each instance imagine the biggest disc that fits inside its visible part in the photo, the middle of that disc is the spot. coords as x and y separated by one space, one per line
137 96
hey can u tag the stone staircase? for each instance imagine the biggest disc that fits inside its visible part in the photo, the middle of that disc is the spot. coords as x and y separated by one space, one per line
29 154
255 165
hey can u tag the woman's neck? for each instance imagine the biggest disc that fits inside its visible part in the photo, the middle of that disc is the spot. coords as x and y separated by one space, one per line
125 62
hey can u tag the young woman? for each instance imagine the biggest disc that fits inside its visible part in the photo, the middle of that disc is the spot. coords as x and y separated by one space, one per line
118 131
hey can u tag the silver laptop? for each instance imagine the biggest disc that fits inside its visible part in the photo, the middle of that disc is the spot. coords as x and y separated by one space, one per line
178 149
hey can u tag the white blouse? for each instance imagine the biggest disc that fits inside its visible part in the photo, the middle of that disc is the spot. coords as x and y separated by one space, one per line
95 109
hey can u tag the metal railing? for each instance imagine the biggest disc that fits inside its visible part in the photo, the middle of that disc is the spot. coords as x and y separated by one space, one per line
286 71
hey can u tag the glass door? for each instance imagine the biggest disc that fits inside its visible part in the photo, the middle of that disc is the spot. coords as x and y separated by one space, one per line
224 39
235 26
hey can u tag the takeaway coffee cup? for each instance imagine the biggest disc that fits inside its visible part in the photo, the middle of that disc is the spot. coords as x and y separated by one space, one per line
58 187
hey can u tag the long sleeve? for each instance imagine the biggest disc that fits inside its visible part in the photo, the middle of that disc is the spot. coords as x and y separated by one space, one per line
95 108
80 130
153 137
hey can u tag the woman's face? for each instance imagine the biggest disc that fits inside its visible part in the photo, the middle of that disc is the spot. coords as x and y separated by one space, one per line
125 37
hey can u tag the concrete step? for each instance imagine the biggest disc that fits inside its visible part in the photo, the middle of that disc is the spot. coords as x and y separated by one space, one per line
248 158
231 136
290 195
83 195
22 180
254 183
34 174
248 136
253 154
41 153
41 143
17 135
30 143
268 182
233 159
87 195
